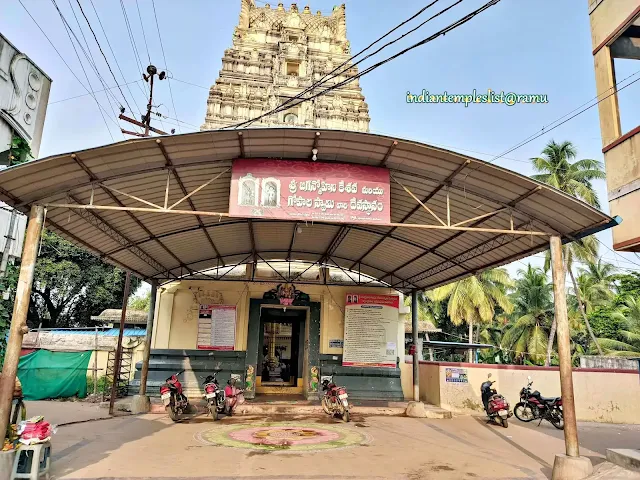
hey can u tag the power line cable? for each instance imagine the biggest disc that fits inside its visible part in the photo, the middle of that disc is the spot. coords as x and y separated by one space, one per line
67 65
96 91
133 98
143 34
103 55
175 112
131 38
440 33
90 89
331 75
87 54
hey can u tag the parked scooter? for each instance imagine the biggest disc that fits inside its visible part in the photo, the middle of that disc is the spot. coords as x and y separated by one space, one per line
214 395
532 406
234 396
495 405
174 401
335 400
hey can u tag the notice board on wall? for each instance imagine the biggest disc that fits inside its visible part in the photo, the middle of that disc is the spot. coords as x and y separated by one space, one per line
216 327
371 331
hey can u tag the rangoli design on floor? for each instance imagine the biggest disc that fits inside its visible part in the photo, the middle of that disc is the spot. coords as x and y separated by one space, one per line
283 436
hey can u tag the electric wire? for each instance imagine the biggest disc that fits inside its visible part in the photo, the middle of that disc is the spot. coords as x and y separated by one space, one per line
331 75
102 52
118 63
143 34
90 89
175 112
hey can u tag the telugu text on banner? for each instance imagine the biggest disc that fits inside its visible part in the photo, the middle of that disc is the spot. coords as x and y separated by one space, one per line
370 330
301 190
217 327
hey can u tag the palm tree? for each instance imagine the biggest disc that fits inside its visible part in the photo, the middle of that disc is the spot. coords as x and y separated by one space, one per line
533 312
556 167
474 299
596 284
629 316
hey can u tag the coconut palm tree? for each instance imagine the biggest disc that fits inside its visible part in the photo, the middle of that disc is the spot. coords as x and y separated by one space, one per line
474 299
533 315
556 167
629 316
595 284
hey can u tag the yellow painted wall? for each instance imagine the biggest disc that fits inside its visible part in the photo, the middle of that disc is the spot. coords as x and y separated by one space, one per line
607 16
599 396
177 317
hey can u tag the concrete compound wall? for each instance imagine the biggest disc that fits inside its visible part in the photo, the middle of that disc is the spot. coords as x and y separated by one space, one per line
601 395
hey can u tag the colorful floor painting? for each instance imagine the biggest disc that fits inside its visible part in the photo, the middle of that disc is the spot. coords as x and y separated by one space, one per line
284 436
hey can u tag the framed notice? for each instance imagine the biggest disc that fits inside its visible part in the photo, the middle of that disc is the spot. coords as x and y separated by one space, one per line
371 330
217 327
456 375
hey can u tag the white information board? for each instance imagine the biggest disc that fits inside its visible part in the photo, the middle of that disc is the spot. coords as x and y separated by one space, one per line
370 331
217 327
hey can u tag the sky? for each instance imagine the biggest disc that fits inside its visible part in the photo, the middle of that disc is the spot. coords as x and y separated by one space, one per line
521 46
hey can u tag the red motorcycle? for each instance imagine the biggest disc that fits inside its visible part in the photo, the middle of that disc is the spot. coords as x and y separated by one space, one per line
174 401
495 405
335 400
533 406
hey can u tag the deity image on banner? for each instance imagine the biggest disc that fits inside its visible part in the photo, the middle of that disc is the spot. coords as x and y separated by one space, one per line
270 192
248 191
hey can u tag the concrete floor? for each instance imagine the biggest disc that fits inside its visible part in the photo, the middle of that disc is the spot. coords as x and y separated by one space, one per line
151 446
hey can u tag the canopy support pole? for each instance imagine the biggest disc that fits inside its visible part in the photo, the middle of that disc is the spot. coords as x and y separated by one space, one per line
416 354
144 373
19 317
564 349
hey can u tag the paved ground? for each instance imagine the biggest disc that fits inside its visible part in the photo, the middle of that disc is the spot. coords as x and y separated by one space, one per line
59 413
151 446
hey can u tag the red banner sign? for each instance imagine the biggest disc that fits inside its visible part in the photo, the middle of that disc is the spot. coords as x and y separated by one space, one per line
308 191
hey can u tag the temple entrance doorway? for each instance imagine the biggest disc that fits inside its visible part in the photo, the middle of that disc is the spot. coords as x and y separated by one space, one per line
281 350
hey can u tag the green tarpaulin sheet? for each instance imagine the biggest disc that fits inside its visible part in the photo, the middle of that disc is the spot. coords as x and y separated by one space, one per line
47 374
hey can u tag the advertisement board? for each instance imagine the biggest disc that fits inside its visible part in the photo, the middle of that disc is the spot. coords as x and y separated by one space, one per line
308 191
371 330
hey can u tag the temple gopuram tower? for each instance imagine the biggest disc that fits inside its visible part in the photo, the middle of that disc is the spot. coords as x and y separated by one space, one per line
276 54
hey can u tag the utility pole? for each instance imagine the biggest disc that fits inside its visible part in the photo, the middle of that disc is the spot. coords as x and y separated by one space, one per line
152 71
7 245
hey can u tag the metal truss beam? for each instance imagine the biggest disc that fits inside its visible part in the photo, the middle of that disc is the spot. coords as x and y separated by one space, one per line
178 180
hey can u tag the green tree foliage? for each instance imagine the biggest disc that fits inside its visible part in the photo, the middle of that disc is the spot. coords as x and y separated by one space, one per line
140 303
7 284
528 335
71 284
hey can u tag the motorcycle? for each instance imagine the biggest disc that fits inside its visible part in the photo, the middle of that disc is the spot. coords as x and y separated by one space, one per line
534 406
214 395
174 401
234 396
495 405
335 400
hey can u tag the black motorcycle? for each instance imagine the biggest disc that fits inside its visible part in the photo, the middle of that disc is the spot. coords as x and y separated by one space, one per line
214 395
534 406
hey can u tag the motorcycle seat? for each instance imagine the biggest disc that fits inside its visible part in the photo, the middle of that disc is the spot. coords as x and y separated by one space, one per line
549 399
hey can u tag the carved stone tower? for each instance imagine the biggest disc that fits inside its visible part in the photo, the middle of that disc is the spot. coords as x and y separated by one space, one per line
275 55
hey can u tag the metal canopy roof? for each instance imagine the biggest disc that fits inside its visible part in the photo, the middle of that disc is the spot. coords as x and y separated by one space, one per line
157 245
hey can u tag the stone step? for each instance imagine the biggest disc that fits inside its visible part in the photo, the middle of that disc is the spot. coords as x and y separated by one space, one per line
624 457
371 408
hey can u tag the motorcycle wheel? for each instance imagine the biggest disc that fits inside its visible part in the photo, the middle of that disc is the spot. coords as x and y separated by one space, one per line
557 419
346 417
523 412
214 412
173 415
504 422
325 406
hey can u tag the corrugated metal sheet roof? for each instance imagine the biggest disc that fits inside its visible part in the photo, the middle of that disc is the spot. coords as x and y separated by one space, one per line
166 246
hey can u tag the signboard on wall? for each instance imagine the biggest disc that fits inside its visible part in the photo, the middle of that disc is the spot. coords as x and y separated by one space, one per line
217 327
371 325
456 375
301 190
